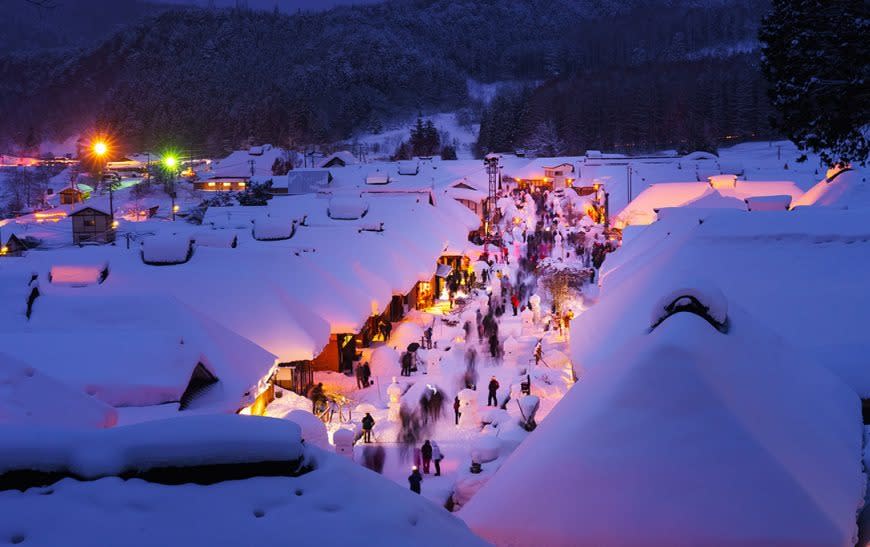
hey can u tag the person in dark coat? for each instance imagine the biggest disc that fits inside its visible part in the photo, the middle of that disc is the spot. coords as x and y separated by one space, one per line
388 328
493 345
316 394
407 360
415 479
456 407
428 337
360 377
426 452
368 423
367 374
492 399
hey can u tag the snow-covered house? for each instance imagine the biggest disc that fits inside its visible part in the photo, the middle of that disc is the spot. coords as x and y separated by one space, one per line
704 428
301 181
13 246
138 350
91 225
233 172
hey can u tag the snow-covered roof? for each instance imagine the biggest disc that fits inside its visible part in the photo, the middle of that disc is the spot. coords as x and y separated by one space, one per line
302 181
696 437
845 189
378 178
333 502
343 157
238 164
32 398
700 156
642 209
215 238
134 349
788 267
85 205
768 203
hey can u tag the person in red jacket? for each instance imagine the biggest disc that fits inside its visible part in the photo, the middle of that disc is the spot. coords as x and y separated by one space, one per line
515 302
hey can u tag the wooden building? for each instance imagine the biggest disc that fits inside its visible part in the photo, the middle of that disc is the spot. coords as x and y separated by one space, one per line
91 225
222 184
71 196
13 247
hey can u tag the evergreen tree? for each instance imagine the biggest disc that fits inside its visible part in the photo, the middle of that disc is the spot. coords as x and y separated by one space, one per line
815 55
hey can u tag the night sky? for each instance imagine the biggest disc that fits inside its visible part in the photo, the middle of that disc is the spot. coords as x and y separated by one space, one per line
285 5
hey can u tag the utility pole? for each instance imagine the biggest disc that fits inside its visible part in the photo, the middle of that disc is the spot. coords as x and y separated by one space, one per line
251 163
492 169
628 182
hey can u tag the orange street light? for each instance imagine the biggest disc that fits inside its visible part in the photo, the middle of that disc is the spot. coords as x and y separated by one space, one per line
100 148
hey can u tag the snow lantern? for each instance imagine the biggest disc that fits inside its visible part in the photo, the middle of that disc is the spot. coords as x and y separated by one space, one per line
343 439
469 417
394 392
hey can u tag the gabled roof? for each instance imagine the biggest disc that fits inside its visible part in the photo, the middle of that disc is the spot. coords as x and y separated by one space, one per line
89 209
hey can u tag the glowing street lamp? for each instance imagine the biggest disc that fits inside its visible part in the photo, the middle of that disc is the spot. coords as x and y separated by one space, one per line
170 161
100 148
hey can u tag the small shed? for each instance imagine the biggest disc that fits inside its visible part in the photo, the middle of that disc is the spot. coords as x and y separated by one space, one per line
92 225
13 247
71 196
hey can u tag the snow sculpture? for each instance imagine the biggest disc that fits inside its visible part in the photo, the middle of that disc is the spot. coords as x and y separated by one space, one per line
394 392
469 417
528 317
495 284
535 301
558 250
343 439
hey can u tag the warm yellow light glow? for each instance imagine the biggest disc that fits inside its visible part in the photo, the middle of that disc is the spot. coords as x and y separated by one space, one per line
241 185
227 184
211 184
176 208
100 148
3 250
114 224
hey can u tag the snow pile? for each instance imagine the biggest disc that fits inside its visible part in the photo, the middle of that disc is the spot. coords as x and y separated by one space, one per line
30 398
79 274
313 430
768 203
268 229
384 362
337 502
378 179
166 250
692 436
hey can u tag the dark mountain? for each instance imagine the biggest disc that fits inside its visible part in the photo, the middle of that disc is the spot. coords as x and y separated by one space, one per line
209 79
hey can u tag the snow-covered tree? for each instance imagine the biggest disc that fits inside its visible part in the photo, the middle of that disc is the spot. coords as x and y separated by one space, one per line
815 57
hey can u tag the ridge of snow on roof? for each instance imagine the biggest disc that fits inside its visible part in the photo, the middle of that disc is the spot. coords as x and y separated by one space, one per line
166 249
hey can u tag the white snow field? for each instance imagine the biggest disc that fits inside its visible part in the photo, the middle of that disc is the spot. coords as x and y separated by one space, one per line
335 503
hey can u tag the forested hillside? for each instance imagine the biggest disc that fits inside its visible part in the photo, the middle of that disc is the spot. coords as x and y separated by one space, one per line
626 74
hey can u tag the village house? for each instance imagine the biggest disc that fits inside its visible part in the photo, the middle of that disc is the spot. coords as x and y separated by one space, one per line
91 225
